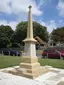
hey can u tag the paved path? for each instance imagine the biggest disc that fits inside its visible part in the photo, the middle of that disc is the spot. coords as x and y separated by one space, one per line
9 79
54 77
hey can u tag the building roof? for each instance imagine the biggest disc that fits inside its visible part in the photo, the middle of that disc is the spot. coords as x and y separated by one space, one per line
39 40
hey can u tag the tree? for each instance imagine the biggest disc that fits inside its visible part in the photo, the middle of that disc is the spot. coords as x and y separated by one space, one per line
58 34
21 31
40 31
6 33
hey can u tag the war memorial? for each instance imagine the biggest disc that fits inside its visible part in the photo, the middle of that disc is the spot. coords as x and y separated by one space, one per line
30 68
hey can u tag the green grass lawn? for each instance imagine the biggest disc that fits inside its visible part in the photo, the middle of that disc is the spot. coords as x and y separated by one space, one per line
57 63
8 61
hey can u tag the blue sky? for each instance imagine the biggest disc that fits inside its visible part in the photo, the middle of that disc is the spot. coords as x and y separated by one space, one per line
49 13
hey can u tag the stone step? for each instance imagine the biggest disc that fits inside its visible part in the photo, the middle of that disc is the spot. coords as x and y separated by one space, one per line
61 83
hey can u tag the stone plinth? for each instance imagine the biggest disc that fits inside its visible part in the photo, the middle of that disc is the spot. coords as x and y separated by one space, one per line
31 67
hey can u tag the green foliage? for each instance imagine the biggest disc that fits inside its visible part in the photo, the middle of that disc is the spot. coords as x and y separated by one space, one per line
5 35
10 38
58 34
21 31
40 31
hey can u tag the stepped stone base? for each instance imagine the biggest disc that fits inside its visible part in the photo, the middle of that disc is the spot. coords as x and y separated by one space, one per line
29 73
61 83
29 68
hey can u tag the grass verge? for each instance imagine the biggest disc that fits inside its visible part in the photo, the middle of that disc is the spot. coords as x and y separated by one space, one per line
9 61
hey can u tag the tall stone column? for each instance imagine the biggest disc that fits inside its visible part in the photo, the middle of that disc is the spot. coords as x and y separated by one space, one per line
29 64
30 49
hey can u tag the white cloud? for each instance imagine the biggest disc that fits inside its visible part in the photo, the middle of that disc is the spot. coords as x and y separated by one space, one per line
3 22
43 2
43 23
60 7
12 23
50 25
4 6
18 6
